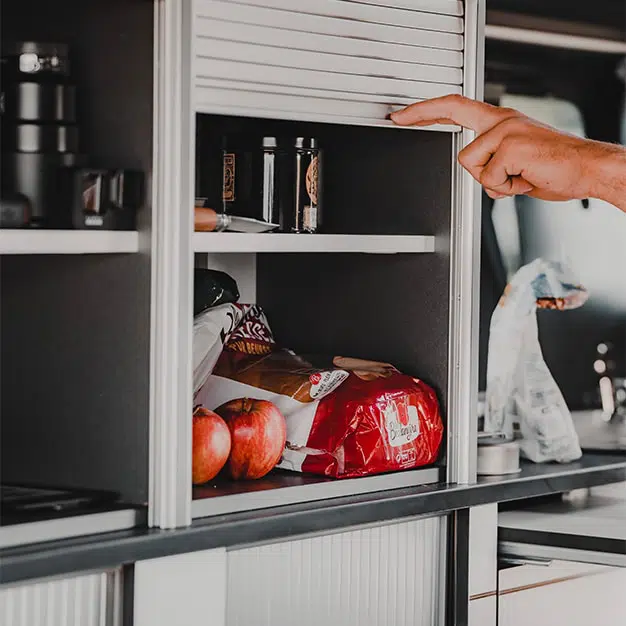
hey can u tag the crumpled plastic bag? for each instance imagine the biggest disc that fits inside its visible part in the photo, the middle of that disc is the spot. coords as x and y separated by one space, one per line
520 387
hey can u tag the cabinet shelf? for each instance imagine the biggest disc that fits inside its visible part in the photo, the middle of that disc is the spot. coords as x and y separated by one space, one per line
287 242
68 242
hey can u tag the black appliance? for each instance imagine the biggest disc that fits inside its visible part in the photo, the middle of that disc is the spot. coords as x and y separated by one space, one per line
39 130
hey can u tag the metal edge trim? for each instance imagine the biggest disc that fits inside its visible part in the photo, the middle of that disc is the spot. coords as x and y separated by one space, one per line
264 526
300 494
69 527
579 555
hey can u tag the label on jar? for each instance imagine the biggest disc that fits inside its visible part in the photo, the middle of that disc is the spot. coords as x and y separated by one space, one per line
312 177
228 184
309 218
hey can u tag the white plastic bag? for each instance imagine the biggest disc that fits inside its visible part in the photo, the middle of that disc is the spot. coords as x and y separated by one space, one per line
211 329
520 387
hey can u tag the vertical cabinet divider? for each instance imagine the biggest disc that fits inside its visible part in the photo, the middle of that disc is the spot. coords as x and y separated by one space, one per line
465 275
171 402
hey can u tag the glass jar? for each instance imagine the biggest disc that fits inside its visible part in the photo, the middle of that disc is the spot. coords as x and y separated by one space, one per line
307 182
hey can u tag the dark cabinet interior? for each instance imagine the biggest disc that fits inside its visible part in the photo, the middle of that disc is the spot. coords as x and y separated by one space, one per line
386 307
76 328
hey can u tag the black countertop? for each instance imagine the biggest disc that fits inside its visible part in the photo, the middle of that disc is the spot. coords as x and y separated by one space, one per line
238 529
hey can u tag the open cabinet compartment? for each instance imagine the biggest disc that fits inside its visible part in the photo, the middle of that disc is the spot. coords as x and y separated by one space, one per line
76 327
388 307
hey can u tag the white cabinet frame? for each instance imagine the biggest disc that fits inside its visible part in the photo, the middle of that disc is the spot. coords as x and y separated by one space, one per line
173 190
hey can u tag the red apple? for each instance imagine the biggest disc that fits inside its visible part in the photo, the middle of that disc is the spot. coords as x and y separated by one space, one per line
211 445
258 431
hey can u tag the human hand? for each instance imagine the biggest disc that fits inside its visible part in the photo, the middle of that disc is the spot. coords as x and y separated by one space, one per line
513 154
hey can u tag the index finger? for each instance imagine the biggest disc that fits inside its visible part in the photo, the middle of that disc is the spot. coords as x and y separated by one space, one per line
459 110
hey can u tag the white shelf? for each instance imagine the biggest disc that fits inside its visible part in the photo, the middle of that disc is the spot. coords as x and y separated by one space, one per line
68 241
287 242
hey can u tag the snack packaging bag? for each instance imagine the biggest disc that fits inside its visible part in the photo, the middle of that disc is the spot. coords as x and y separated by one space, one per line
520 386
345 419
214 327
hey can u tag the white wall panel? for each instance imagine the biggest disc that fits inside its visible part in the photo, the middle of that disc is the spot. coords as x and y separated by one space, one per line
380 576
86 600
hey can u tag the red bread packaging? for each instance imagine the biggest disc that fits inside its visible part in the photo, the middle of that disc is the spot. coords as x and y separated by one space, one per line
353 418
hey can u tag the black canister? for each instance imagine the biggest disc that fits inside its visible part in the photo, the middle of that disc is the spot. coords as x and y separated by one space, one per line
39 131
250 181
307 181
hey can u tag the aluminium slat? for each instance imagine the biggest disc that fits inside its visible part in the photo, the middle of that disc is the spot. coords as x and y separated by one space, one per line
332 44
254 102
317 94
388 87
307 60
442 7
263 100
337 9
306 23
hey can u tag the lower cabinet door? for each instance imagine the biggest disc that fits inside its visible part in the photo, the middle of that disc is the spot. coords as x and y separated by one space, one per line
377 576
484 611
571 594
181 590
93 599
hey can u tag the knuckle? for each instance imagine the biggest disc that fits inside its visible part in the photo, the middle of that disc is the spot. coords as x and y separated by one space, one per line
488 179
451 103
510 143
464 158
454 98
512 116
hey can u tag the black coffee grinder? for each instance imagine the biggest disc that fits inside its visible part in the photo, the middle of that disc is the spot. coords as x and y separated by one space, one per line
39 135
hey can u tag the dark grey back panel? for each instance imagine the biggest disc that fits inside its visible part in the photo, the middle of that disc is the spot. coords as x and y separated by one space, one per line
386 182
76 329
375 180
392 308
389 307
74 373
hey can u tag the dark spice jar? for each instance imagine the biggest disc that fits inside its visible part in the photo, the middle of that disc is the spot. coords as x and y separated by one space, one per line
250 178
307 180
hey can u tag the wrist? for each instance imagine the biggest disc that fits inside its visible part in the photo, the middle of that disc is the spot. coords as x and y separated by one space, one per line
608 174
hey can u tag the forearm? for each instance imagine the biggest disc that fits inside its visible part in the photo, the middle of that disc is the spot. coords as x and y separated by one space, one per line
608 174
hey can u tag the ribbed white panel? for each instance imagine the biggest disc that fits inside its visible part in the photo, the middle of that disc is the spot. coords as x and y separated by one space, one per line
87 600
380 576
325 60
